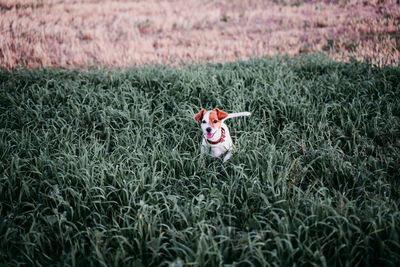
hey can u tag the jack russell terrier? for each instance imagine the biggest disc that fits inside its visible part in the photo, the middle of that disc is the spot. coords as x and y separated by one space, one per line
216 138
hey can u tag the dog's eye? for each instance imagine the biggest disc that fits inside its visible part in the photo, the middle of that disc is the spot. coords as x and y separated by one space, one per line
203 121
215 121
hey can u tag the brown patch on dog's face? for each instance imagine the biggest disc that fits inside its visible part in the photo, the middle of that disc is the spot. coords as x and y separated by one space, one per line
215 122
221 114
199 116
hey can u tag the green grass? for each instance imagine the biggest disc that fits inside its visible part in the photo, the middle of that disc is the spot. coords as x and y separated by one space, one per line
104 167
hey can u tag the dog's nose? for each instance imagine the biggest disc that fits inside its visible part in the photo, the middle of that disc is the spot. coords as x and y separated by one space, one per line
208 129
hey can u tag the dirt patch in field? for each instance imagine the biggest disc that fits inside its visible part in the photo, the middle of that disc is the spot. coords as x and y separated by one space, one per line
79 33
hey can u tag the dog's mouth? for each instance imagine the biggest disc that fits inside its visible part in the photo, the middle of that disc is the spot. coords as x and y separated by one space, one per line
210 135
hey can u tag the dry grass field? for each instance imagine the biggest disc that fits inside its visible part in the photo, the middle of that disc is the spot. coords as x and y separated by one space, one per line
82 33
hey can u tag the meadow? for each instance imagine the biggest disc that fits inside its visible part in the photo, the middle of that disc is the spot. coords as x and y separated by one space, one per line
103 167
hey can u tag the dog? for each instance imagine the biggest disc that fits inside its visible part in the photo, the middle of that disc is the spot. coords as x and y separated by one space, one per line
217 140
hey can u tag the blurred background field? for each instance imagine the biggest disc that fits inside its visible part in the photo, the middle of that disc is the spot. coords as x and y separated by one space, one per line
78 34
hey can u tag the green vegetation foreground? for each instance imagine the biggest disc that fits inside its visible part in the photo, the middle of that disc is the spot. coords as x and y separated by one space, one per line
104 167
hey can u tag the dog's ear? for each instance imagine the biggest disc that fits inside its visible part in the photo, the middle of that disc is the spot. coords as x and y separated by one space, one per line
221 114
199 116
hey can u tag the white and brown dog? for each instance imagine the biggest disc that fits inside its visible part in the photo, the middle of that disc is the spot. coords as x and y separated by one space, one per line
216 138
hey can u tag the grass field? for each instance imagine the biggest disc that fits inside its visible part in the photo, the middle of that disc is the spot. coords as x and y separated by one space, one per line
104 167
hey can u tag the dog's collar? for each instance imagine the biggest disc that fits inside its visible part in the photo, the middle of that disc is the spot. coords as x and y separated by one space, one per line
220 140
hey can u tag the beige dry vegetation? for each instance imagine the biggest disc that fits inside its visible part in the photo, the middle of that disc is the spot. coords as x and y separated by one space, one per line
79 33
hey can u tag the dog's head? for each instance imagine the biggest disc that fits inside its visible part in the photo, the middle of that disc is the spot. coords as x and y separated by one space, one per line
210 121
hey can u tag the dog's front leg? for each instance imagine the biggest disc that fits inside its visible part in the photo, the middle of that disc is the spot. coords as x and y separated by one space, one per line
204 148
227 156
225 159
